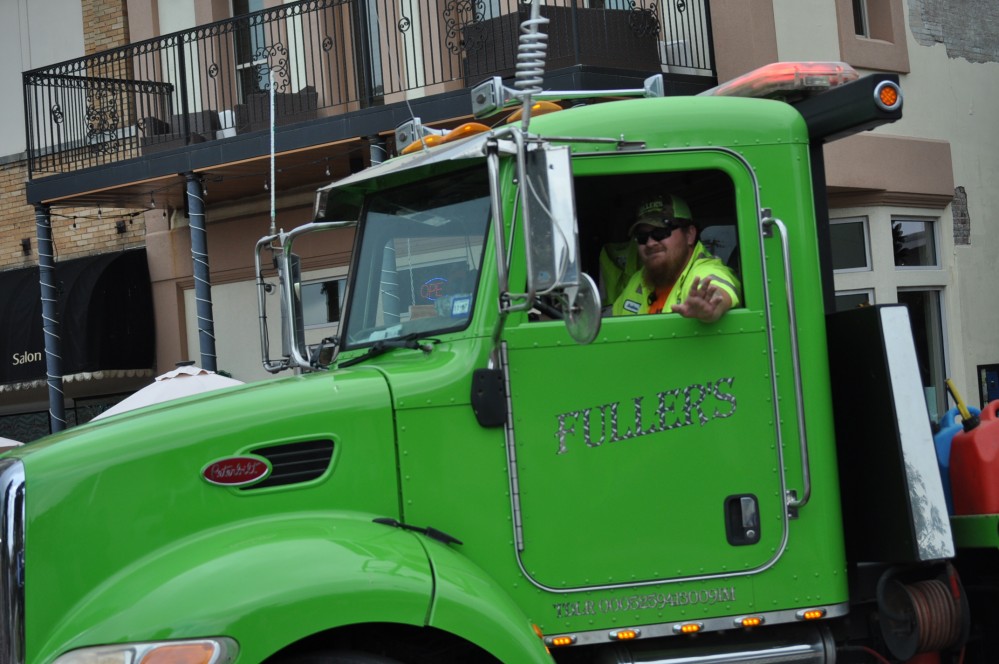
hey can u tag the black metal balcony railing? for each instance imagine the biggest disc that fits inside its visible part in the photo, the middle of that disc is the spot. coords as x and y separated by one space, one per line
324 58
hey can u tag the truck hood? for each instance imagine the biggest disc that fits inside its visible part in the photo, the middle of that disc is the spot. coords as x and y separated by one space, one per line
112 495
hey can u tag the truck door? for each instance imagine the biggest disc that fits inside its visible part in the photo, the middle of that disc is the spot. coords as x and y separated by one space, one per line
650 455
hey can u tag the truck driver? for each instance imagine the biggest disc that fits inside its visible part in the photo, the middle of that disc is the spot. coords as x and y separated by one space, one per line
677 273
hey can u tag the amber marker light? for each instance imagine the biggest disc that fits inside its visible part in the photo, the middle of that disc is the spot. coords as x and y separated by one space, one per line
188 653
688 628
465 130
811 614
537 108
888 95
749 621
560 641
625 634
428 141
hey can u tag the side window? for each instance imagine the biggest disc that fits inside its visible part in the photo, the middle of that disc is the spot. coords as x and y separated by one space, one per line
609 206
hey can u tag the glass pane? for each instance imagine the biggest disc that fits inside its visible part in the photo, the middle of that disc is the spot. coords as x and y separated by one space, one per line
927 330
849 245
848 301
913 243
860 17
419 260
321 302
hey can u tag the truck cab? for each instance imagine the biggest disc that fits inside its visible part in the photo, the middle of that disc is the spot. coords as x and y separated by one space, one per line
483 465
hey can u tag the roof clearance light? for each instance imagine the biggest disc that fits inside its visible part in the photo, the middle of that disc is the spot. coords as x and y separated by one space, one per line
625 634
426 141
558 641
782 78
688 628
888 95
465 130
539 107
811 614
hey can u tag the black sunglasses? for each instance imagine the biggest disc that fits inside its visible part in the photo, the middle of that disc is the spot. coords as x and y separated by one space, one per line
659 234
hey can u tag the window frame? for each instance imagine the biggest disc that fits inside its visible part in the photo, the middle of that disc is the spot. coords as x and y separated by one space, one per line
941 323
885 47
866 225
869 292
932 223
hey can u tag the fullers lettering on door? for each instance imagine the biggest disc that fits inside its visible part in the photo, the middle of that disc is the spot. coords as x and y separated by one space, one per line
671 409
26 357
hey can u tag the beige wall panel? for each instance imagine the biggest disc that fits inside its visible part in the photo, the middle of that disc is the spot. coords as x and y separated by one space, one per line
913 167
745 36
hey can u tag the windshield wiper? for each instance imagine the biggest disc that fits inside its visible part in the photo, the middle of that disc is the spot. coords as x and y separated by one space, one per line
383 346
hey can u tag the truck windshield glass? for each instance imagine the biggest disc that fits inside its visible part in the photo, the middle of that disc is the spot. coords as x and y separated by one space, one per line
420 254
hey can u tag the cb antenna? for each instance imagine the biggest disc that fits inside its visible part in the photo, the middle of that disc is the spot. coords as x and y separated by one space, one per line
270 85
531 52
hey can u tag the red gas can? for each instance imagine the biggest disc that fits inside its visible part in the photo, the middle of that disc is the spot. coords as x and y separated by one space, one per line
974 466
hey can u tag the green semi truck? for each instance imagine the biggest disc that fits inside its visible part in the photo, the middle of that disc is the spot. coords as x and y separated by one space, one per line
482 467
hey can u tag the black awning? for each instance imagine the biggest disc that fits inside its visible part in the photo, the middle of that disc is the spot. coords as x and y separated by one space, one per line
105 314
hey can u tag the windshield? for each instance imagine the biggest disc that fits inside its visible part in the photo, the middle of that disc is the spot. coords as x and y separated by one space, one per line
420 253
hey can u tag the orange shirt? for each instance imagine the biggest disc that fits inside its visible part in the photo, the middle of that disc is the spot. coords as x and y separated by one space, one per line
656 306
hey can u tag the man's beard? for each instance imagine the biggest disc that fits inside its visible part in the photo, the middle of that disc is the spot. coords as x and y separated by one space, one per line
664 274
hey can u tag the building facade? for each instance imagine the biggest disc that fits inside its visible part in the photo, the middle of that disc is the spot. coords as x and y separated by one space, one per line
148 126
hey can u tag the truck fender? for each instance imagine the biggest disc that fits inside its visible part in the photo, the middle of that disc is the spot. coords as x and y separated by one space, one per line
469 603
266 582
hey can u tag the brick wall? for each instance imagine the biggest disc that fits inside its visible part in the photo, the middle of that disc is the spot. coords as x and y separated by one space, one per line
75 231
105 24
968 29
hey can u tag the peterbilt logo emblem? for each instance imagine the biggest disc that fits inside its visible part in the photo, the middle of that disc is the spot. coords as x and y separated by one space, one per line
236 471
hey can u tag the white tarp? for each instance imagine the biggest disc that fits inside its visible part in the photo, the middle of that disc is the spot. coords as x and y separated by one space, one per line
181 382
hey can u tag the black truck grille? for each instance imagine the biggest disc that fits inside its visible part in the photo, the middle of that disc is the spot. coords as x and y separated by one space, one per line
294 463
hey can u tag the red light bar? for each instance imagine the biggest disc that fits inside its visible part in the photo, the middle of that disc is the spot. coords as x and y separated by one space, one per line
785 77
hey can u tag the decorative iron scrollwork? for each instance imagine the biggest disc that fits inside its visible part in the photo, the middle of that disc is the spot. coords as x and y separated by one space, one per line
213 70
404 24
464 16
276 63
102 121
643 21
56 113
327 43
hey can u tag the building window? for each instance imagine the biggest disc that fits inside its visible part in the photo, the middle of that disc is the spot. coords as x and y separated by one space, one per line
846 300
860 27
988 383
872 34
884 255
850 244
251 50
925 313
914 242
321 302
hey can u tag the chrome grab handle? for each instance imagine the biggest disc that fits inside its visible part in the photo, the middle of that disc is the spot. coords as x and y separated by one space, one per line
768 222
